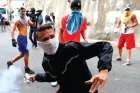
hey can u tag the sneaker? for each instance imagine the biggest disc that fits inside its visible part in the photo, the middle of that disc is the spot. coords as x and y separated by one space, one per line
34 46
29 71
54 84
127 64
118 59
9 63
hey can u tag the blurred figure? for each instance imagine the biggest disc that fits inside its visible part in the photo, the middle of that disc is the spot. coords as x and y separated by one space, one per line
21 24
33 27
39 18
3 23
52 20
127 22
52 16
0 18
69 1
73 25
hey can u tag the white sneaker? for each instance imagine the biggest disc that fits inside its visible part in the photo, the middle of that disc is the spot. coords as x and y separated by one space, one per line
127 64
54 84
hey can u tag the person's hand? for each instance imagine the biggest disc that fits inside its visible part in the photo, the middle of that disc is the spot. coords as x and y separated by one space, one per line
98 81
30 77
14 43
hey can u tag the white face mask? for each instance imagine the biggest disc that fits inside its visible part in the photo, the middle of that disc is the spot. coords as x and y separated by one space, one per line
50 47
23 20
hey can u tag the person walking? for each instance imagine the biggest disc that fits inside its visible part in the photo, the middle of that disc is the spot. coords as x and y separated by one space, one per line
21 24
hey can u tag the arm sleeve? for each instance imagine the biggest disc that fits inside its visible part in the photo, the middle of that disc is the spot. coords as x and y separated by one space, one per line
41 77
44 77
103 50
47 76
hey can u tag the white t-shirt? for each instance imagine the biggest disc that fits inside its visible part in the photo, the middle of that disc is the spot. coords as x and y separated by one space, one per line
125 30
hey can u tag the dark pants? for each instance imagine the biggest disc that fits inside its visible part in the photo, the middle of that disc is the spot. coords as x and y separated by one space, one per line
73 92
32 36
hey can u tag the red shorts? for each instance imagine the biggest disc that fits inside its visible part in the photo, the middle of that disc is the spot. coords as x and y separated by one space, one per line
129 39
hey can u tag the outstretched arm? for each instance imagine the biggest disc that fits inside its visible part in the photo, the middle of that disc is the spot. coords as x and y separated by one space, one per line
44 77
104 51
41 77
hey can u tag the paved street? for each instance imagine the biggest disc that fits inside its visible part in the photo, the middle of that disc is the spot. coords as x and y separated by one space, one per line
122 79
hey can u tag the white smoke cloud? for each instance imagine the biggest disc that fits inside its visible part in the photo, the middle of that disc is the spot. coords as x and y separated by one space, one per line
10 80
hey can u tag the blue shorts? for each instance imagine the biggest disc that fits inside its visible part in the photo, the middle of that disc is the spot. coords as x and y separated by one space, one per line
22 44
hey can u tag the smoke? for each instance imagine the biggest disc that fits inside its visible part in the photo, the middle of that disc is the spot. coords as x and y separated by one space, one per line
10 80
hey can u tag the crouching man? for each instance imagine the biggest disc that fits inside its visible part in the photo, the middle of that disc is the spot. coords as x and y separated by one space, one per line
66 63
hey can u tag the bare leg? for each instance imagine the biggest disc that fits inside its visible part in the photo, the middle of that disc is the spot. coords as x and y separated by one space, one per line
26 59
128 55
120 52
17 58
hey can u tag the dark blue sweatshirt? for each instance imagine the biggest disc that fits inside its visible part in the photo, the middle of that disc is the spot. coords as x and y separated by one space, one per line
68 66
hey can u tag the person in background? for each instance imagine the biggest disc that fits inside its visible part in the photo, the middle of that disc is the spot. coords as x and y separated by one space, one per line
52 16
127 22
21 24
51 19
73 26
33 27
39 18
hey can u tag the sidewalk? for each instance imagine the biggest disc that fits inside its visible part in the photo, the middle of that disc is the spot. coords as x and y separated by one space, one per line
114 43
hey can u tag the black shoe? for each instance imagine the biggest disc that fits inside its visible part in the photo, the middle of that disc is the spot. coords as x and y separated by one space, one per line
34 46
29 71
9 63
118 59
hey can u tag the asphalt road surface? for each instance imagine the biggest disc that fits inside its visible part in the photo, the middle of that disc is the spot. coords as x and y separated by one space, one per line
122 79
